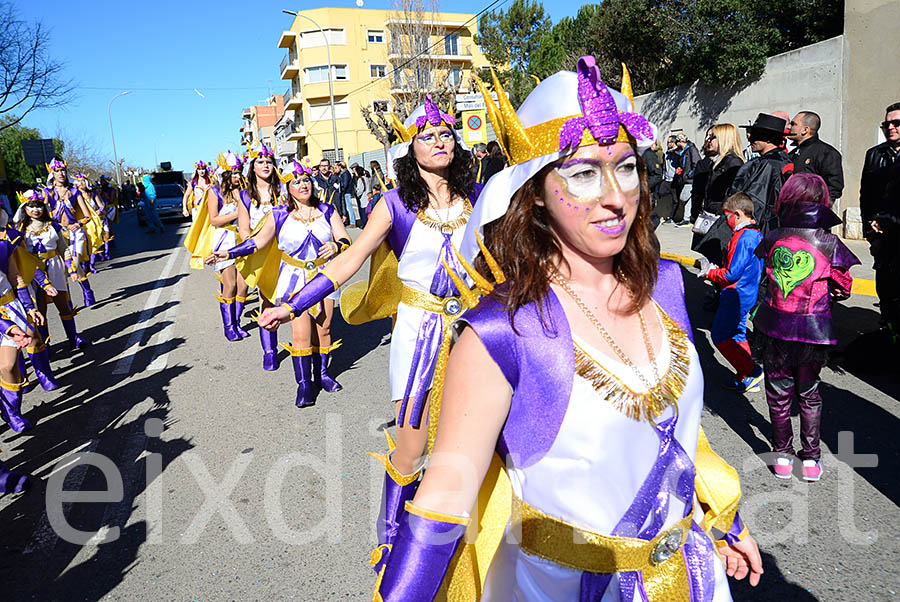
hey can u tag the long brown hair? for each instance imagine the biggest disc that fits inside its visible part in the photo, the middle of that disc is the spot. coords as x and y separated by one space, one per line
274 187
527 250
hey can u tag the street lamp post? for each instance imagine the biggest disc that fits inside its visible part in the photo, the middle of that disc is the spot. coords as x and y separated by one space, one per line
330 85
111 135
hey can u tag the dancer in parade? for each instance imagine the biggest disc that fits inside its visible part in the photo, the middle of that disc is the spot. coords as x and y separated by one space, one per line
262 194
17 318
307 235
45 243
197 190
410 236
109 195
93 222
580 371
65 203
806 268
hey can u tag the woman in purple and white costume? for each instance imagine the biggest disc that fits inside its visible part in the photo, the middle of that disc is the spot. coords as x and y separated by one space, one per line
17 317
66 202
420 222
308 235
197 189
263 193
222 213
580 373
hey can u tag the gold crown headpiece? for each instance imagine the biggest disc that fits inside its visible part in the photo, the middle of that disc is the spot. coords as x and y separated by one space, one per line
432 116
56 164
600 122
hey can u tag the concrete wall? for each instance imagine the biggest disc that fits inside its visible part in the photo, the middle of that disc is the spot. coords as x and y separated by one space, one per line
871 53
809 78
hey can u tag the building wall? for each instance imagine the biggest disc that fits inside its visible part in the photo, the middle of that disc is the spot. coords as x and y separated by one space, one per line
359 55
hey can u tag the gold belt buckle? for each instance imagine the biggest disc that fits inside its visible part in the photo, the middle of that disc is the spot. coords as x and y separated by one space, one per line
310 265
452 306
667 546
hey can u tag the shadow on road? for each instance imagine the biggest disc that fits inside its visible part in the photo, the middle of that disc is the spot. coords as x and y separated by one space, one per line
773 586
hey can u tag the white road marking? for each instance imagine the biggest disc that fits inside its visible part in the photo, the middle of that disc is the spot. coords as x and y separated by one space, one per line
123 366
161 361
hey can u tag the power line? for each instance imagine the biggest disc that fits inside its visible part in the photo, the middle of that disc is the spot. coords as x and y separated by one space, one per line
170 89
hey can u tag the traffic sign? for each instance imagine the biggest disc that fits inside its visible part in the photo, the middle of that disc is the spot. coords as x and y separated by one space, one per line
473 127
38 152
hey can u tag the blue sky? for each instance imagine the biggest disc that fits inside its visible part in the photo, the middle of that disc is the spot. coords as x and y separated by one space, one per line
109 47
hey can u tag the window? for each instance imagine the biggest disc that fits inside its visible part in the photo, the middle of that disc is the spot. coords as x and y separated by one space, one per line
328 153
454 76
376 36
381 106
320 74
451 44
377 71
315 37
321 111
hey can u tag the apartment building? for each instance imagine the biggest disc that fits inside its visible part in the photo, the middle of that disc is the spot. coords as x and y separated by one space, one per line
260 122
367 46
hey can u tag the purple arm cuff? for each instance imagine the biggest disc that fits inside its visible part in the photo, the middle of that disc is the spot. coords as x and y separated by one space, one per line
419 558
248 247
735 533
24 296
6 325
315 291
41 278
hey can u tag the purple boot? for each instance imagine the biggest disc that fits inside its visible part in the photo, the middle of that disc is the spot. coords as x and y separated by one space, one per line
106 251
40 361
269 341
303 373
92 264
11 406
226 307
76 341
238 310
12 482
321 369
88 293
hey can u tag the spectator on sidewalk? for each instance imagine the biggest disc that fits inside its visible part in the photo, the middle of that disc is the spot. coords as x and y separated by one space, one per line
879 203
654 171
812 155
495 160
667 193
684 178
345 193
480 152
738 282
153 220
762 178
702 175
325 182
806 267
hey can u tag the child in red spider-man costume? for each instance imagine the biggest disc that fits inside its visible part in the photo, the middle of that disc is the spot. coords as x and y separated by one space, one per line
806 267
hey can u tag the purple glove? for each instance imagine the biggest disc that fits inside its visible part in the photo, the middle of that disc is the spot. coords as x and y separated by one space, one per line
24 296
248 247
420 556
314 292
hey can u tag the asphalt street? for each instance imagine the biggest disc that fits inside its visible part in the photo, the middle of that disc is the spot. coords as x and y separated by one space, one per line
229 492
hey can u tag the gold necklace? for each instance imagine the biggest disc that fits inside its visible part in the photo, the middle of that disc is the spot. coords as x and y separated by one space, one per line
448 226
658 397
305 219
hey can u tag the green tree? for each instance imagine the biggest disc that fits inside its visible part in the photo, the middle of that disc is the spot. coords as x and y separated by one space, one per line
509 39
11 137
569 39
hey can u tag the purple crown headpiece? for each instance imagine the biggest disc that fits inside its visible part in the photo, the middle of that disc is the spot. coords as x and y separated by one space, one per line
56 164
600 115
261 151
201 165
81 176
433 115
233 162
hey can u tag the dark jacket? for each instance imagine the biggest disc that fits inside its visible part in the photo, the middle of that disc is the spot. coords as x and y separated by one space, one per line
702 175
690 157
822 159
762 178
654 170
490 166
346 181
326 185
720 181
876 178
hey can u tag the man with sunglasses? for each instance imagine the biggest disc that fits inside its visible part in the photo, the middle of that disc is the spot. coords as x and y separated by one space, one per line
879 203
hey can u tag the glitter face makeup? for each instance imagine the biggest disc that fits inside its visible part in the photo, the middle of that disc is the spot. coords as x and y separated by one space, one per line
583 178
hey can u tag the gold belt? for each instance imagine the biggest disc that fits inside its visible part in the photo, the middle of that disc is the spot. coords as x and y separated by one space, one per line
659 559
8 297
303 264
448 306
48 254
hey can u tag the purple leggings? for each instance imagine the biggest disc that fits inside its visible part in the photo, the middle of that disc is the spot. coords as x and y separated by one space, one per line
781 382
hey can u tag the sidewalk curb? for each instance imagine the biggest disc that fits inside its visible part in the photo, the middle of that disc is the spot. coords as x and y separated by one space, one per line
860 286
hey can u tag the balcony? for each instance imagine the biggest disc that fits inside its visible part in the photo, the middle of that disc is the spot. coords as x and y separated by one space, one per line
290 67
293 103
247 113
296 132
287 39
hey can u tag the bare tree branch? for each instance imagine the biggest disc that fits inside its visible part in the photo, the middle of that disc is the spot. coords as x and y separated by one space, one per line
29 78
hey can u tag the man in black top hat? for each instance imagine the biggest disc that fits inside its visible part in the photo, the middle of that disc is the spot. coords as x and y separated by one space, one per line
762 177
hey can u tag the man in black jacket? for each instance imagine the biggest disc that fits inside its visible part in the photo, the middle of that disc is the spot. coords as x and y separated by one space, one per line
879 203
684 179
812 155
762 177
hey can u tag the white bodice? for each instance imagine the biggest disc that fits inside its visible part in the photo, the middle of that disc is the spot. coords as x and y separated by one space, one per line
420 258
258 213
294 232
228 209
48 238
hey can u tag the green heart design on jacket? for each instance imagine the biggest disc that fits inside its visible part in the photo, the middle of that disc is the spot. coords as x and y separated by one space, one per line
791 268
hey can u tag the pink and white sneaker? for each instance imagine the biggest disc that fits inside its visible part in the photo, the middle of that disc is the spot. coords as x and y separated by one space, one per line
784 468
812 470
